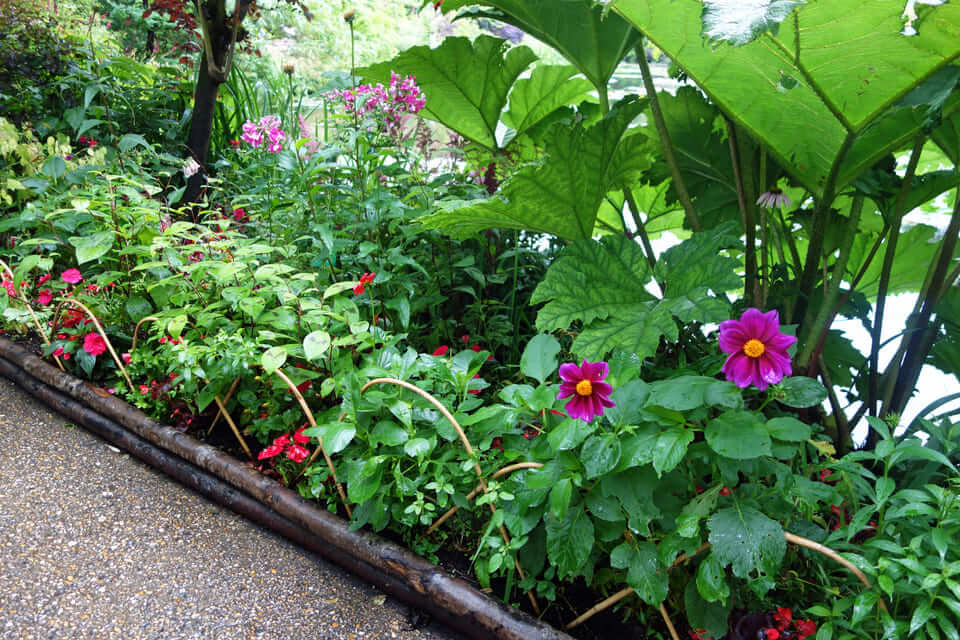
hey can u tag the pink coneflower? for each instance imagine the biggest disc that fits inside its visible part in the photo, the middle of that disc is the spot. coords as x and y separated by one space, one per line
773 198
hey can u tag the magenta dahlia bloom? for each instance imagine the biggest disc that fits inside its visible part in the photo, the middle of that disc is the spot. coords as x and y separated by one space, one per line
585 383
758 351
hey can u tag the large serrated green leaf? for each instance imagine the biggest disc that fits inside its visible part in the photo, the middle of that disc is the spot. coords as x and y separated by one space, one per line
833 68
466 83
747 540
548 88
739 23
698 262
561 194
570 541
593 40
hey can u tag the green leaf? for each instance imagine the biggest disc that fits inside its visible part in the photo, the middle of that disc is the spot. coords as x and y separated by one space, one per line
560 498
712 579
334 436
417 447
137 308
702 614
852 64
569 434
176 324
634 488
272 359
618 313
539 359
739 24
684 393
789 429
644 572
388 433
591 38
569 541
670 447
561 194
600 454
131 140
54 167
698 262
747 540
316 344
800 392
739 435
92 246
921 614
466 82
548 88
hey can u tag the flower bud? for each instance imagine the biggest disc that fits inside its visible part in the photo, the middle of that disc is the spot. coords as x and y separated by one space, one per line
348 16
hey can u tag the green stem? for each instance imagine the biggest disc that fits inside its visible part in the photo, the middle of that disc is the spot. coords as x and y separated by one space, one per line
693 221
751 291
873 392
641 230
815 328
821 216
901 379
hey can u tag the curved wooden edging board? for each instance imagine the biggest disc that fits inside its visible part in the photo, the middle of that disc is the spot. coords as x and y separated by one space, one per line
385 564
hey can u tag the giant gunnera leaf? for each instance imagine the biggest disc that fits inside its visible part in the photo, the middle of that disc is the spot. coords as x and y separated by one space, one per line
560 194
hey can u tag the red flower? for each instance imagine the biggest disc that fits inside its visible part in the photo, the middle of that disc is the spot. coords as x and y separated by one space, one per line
45 297
805 628
303 386
725 491
699 634
299 438
72 276
441 350
772 634
43 279
11 290
125 357
282 441
270 452
235 143
782 617
144 389
465 338
66 356
94 344
474 391
365 279
58 352
297 453
239 214
824 474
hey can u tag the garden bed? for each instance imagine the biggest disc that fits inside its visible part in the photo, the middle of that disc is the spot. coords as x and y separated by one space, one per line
233 484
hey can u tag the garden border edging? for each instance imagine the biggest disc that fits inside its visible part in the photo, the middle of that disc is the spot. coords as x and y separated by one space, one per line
228 481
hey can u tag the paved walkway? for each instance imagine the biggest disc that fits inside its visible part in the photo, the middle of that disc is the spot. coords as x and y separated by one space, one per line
96 545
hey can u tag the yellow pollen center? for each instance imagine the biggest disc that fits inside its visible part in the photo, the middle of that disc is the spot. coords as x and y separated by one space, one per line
754 348
584 388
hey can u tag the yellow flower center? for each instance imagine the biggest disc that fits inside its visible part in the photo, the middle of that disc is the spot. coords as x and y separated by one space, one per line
584 388
754 348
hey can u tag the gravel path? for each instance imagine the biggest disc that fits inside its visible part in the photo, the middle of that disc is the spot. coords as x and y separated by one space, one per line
94 544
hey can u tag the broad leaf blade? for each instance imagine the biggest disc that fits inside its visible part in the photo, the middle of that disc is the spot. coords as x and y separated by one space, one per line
466 83
548 88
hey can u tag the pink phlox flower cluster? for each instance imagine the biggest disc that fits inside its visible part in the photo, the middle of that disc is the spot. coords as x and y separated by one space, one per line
311 145
269 126
391 103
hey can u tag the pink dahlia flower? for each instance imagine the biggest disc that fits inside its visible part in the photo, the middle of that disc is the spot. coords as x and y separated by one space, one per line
758 351
590 395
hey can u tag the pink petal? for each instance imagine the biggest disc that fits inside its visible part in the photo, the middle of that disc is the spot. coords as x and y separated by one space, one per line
570 372
780 342
739 369
771 326
753 323
732 336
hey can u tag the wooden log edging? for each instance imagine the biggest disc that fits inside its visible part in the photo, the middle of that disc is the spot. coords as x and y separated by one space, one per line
389 566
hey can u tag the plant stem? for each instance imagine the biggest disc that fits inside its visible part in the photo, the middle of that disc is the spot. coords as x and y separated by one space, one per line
902 378
873 393
820 217
641 230
682 194
815 328
751 290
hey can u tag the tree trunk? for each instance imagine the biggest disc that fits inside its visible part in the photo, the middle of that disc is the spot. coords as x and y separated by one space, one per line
201 125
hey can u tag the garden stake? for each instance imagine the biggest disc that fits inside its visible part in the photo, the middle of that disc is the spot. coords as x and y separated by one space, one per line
306 410
666 618
791 538
26 303
226 399
136 329
233 426
103 334
473 494
466 444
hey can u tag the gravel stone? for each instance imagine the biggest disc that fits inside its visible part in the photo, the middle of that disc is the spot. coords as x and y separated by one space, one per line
96 545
